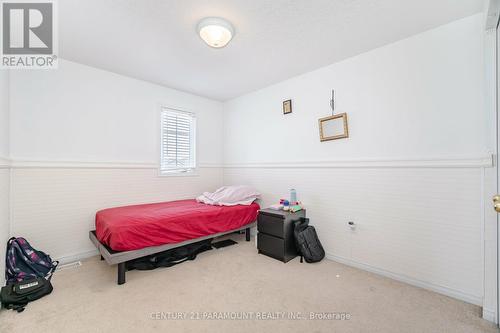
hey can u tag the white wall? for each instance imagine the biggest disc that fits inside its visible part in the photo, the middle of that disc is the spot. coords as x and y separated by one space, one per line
4 113
411 174
83 139
4 169
79 113
419 97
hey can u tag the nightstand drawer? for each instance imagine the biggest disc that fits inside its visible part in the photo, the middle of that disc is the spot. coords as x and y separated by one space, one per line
271 225
271 246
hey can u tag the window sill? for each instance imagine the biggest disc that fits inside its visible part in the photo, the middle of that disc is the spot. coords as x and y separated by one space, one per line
179 174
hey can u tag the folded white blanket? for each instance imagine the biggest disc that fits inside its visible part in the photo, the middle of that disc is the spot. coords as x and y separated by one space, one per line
230 196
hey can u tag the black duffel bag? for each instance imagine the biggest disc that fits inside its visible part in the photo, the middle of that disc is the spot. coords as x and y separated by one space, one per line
17 295
170 257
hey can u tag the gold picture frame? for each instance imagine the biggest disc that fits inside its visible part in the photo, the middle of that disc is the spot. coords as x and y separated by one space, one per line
333 127
287 106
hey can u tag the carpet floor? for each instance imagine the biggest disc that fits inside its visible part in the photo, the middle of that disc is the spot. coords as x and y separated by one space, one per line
234 289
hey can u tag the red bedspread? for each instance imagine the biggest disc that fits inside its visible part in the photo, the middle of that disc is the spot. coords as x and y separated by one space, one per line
139 226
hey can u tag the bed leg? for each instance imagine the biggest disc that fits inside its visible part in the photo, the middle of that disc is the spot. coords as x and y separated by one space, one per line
122 268
247 234
102 258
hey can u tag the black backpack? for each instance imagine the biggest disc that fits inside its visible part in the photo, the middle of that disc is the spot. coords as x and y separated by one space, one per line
17 295
170 257
307 242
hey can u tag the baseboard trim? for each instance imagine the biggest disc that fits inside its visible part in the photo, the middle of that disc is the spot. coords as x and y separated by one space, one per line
414 282
76 257
489 315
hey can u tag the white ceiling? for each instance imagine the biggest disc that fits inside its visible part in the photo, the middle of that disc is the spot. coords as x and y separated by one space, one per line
156 40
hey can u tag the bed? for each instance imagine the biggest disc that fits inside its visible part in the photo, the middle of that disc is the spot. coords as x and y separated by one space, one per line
131 232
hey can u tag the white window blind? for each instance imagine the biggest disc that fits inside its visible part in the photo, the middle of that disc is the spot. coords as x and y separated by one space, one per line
178 130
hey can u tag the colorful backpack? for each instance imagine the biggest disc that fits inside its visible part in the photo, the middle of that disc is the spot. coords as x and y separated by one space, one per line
24 262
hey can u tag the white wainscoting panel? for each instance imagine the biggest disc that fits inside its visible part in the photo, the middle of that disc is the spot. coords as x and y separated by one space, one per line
420 225
55 207
4 218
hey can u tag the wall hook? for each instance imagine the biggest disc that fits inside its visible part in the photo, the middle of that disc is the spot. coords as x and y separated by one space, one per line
332 102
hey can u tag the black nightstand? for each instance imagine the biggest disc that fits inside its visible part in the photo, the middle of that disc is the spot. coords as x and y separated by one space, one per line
275 238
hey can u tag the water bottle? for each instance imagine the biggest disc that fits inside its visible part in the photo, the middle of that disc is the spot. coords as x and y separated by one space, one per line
293 196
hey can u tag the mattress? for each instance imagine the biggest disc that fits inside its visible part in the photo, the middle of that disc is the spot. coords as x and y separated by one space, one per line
139 226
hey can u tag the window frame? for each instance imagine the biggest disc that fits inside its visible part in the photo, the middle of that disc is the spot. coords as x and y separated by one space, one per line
178 172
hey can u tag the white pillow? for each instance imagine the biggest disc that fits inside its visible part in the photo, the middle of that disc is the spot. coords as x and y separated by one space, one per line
230 196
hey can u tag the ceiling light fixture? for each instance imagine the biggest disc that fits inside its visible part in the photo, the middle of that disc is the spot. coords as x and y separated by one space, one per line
215 31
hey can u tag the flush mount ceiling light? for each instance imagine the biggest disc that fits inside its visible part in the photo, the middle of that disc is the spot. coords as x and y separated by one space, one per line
216 32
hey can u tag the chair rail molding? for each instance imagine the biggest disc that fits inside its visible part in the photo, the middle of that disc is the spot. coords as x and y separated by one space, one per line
5 163
60 164
485 161
424 162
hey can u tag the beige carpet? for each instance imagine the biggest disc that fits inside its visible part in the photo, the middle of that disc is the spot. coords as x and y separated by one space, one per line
235 282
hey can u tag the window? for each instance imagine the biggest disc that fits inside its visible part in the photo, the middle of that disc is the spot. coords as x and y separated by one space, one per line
178 140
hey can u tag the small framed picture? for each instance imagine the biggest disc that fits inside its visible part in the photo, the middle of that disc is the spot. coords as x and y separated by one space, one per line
287 106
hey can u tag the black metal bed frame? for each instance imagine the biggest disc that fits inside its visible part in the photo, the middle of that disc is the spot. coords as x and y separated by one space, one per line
120 258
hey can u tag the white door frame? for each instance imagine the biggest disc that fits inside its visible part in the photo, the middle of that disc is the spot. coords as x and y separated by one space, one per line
491 178
494 31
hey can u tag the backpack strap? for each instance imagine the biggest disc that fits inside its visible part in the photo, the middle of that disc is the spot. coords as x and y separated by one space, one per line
52 270
304 221
16 307
19 308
